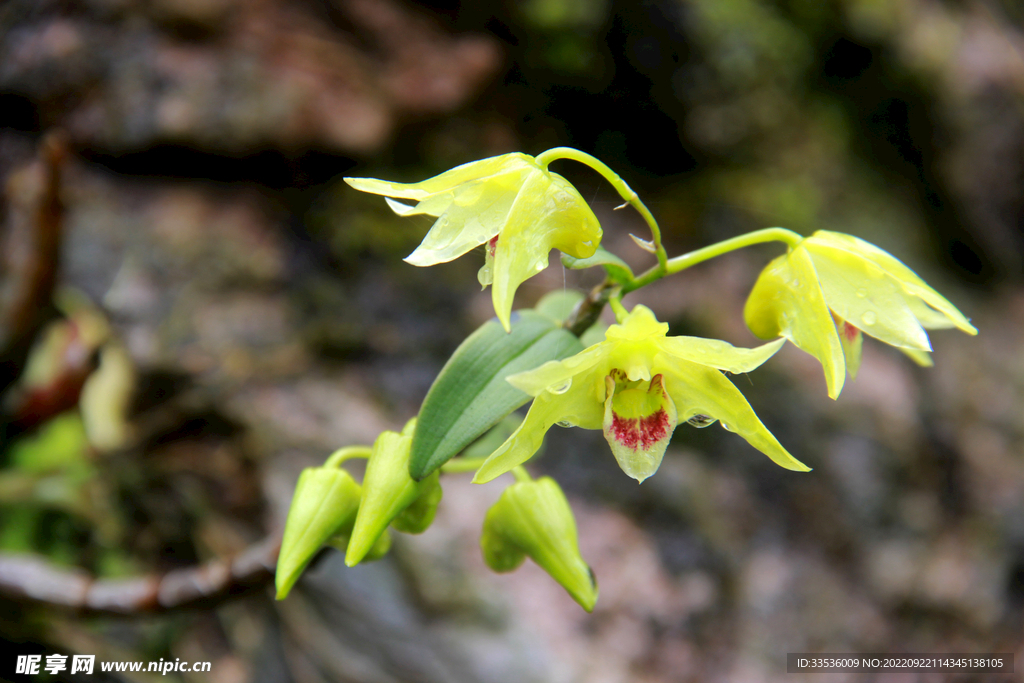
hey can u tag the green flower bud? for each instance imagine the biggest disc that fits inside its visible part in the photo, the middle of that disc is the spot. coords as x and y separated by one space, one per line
419 515
325 501
390 495
341 539
533 518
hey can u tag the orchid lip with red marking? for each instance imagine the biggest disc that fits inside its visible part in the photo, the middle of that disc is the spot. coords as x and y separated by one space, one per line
638 422
634 386
640 432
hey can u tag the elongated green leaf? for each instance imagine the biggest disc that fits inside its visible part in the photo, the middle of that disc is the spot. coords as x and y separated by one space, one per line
471 395
559 304
615 267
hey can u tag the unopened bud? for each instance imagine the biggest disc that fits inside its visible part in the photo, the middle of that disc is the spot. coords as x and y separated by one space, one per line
533 518
325 502
390 495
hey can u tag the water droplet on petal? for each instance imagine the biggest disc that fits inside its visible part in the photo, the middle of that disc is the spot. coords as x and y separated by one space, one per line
862 293
565 423
725 427
701 421
561 388
869 318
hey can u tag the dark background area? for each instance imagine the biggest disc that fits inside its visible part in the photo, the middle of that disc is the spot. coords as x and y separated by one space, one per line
194 307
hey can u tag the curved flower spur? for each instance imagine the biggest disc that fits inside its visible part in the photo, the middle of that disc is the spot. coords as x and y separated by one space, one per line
636 386
831 287
509 203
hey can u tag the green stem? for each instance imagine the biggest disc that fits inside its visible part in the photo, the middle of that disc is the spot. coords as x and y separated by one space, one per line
615 301
457 465
680 263
520 473
347 453
624 190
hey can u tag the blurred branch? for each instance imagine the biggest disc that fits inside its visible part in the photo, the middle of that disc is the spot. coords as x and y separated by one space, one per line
589 310
34 580
31 242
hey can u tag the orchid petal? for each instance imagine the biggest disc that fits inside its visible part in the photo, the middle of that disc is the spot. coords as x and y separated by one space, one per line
558 373
861 291
699 390
853 341
638 424
719 354
471 218
788 301
908 279
922 358
639 325
509 197
483 168
577 407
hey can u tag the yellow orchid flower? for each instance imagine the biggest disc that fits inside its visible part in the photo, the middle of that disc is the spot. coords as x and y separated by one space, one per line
831 287
510 203
636 386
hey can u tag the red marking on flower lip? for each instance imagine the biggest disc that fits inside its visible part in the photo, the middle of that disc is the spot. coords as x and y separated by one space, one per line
492 245
640 432
846 330
850 332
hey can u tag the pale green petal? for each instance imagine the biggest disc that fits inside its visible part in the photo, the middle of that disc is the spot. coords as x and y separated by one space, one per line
787 300
548 213
450 179
862 292
384 187
910 281
577 407
558 373
719 354
485 275
929 318
922 358
853 341
700 390
434 205
478 211
400 208
639 325
571 226
523 246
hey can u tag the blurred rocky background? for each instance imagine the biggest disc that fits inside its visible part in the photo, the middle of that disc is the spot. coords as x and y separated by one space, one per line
193 308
